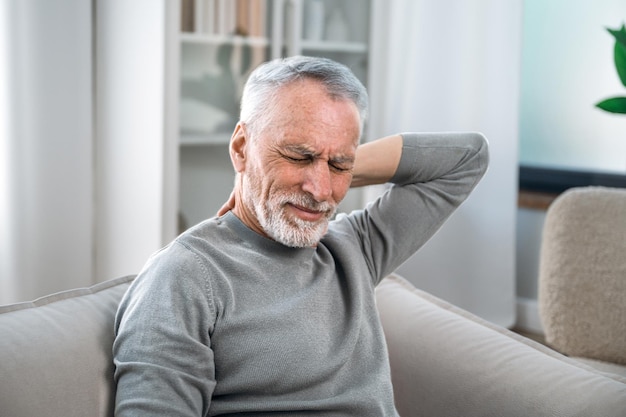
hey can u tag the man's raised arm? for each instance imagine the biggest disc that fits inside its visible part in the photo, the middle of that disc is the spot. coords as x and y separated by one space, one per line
377 161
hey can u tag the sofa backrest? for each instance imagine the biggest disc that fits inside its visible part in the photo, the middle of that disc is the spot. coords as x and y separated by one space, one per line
56 360
55 353
446 361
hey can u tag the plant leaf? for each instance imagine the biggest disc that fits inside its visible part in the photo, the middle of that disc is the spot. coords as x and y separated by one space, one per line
620 61
619 34
619 52
613 105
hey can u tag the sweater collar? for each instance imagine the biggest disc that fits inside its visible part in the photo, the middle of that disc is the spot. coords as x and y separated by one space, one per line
261 242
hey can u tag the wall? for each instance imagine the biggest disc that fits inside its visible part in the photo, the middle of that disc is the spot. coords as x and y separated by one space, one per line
567 67
529 226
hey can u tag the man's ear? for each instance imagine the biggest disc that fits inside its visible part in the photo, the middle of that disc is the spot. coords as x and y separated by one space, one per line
237 148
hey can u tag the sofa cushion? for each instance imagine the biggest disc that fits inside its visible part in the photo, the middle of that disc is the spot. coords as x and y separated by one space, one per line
55 353
448 362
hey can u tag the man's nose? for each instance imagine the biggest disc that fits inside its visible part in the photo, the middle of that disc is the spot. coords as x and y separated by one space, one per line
318 181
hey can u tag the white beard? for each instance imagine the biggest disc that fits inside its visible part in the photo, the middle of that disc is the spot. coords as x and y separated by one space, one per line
273 219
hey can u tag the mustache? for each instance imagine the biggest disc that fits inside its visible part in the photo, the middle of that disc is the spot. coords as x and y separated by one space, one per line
309 203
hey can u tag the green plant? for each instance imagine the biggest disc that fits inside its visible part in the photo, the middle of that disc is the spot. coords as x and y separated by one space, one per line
617 104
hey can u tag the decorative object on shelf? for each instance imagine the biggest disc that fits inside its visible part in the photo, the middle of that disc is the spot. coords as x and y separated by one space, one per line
216 96
617 104
314 20
337 28
202 118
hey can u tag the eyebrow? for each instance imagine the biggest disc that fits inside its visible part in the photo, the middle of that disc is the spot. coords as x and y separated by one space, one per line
305 151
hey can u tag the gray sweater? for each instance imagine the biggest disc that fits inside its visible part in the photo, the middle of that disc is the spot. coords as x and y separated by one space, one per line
223 321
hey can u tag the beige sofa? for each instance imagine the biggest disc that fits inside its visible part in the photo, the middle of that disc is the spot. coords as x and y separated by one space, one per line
55 360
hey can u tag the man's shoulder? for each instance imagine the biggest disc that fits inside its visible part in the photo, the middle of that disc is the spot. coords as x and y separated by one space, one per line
214 229
196 240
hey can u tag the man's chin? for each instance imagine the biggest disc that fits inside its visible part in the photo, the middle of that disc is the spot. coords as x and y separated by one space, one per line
301 235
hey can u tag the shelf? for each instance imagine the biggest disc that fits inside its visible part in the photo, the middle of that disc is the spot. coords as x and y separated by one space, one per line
329 46
535 200
204 139
205 39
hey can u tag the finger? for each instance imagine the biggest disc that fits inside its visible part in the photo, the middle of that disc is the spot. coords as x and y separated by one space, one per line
228 205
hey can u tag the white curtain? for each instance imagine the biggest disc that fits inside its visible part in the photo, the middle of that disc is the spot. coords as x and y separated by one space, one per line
88 158
45 147
450 65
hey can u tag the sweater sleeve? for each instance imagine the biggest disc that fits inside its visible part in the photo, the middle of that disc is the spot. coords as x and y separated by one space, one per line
436 173
162 352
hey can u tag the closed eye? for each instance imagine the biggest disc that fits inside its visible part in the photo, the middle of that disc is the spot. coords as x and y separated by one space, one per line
298 158
340 167
342 164
303 156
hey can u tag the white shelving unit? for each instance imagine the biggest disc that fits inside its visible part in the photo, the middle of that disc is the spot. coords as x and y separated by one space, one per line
221 42
335 47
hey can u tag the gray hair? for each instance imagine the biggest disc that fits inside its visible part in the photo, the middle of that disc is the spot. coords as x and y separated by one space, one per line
264 83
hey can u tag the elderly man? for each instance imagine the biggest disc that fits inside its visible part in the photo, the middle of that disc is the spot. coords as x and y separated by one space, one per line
268 308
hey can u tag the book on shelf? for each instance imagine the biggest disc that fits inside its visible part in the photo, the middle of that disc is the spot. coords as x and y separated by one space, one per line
251 17
224 17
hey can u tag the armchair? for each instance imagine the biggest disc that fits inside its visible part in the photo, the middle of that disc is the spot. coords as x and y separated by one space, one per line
582 276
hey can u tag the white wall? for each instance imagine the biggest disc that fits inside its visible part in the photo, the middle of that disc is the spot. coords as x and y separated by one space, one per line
46 194
568 67
528 234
